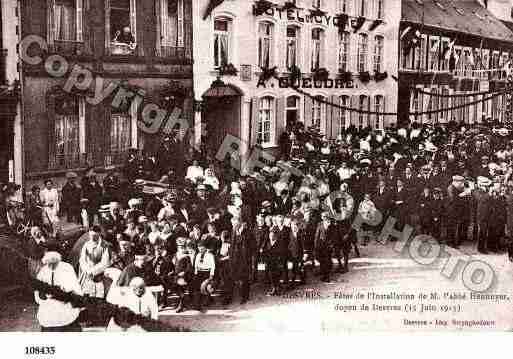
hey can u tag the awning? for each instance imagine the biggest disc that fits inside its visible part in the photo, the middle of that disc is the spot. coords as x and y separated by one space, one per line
220 89
465 16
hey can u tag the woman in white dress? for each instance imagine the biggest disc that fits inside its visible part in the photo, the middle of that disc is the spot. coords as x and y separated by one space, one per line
51 204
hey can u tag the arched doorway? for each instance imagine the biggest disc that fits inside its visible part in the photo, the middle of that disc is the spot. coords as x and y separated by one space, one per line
221 115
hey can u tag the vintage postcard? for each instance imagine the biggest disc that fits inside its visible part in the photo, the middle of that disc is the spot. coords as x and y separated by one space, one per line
272 166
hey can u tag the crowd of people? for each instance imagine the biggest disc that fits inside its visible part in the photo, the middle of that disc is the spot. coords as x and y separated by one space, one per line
204 228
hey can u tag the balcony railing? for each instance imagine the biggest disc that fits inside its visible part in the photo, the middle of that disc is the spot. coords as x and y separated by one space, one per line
66 47
3 66
68 160
173 52
115 157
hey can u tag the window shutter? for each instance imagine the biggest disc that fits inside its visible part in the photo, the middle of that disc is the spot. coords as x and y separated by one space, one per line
335 116
159 30
107 27
254 121
50 28
308 111
80 22
280 118
50 111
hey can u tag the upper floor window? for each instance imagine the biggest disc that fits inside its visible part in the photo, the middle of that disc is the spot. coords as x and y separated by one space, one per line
363 105
292 46
343 6
380 9
379 106
361 9
343 51
317 3
222 38
434 53
172 23
120 131
378 53
362 52
121 26
67 119
344 114
318 112
265 44
266 115
317 48
67 21
292 111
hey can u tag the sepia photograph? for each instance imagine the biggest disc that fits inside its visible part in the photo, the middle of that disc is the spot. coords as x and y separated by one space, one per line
261 166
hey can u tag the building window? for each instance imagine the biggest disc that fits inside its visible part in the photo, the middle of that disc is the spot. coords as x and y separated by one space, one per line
378 53
444 63
292 46
69 121
317 48
420 55
362 52
292 112
317 4
67 22
120 132
361 8
265 44
380 9
172 28
363 105
318 112
434 53
343 51
344 114
266 115
121 26
379 106
342 6
222 46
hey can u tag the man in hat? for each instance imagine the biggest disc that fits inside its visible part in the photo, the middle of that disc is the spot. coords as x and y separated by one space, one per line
457 198
183 273
325 236
483 213
55 315
92 191
131 165
71 195
240 253
138 268
113 222
162 269
111 185
204 270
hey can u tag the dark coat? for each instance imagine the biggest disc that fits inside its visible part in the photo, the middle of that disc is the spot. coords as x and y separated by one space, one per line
240 253
325 238
296 245
70 196
94 193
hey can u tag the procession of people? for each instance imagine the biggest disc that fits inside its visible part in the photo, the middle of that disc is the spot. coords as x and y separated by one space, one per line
208 228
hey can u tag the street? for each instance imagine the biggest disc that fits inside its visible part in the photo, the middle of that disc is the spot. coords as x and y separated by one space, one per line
340 306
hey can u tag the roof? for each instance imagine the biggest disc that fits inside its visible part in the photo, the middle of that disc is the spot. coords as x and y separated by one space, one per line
466 16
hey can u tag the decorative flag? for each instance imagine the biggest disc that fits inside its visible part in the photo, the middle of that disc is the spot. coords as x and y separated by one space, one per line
410 37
